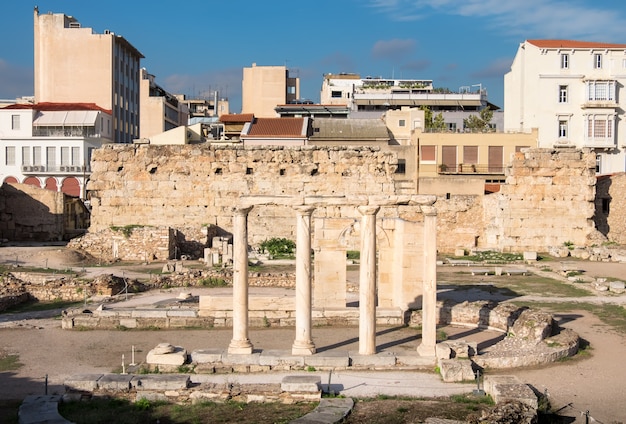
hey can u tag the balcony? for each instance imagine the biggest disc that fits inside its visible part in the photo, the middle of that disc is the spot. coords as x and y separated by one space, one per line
470 169
58 170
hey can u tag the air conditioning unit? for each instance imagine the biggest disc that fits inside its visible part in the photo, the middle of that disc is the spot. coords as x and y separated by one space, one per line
26 168
75 168
63 169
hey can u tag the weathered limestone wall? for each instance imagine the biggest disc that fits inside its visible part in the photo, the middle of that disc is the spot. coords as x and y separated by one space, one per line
30 213
196 185
548 199
610 217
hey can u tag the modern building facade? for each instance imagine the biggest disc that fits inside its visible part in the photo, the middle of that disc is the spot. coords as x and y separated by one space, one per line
160 111
75 65
49 145
572 92
371 96
265 87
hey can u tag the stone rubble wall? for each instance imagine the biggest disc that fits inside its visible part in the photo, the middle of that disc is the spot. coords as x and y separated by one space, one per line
548 200
198 185
610 193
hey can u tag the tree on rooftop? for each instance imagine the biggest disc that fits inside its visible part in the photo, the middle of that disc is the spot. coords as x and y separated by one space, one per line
479 123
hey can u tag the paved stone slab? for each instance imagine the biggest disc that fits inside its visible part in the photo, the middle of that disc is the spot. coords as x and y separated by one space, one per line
329 411
82 382
245 359
41 409
455 370
115 382
415 360
301 383
381 359
161 382
328 359
206 356
280 357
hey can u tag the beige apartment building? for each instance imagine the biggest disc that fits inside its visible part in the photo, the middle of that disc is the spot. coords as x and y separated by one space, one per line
75 65
265 87
160 111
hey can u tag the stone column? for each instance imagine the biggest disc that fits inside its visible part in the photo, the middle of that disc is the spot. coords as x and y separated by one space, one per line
240 344
303 344
429 292
367 281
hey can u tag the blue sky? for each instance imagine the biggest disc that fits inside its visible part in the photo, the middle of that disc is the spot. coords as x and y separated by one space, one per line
197 46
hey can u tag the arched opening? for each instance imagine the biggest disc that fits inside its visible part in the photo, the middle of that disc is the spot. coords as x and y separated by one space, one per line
71 187
10 180
34 181
51 184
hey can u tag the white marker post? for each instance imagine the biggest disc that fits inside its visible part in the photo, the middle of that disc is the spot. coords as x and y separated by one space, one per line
123 365
132 356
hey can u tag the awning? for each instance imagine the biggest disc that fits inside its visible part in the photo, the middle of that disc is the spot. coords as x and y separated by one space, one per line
81 118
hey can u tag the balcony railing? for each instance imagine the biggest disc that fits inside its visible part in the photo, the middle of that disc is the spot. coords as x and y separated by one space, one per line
56 169
470 169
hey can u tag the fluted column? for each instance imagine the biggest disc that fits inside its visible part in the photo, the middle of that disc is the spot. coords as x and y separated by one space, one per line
367 281
303 343
240 344
429 295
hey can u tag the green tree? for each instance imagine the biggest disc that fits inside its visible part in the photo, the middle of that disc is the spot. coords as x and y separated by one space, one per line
479 123
438 123
428 117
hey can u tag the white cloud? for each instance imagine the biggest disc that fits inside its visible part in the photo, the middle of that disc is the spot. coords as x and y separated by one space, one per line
574 19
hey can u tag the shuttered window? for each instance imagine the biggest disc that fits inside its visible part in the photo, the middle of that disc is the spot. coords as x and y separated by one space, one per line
448 157
470 154
495 159
427 154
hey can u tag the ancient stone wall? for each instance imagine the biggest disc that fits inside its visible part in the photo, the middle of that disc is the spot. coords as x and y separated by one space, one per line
548 200
198 185
29 213
610 216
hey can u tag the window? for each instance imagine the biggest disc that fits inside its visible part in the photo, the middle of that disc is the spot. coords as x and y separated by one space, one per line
37 155
15 122
25 155
427 154
597 61
598 163
335 94
401 169
562 129
402 123
600 128
451 126
606 206
565 61
65 156
10 155
470 154
601 90
562 93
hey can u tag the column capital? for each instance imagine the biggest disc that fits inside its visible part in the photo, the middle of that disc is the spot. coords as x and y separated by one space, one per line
304 209
242 210
368 209
428 210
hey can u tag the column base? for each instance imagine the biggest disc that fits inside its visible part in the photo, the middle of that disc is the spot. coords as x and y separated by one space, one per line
426 350
302 348
240 347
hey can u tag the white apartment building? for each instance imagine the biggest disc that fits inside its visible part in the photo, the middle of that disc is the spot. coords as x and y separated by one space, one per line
49 145
370 96
573 93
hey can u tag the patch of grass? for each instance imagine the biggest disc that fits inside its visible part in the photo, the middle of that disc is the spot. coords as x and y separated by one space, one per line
121 411
35 306
213 282
9 362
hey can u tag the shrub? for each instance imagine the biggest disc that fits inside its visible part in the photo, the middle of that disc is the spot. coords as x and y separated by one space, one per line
278 247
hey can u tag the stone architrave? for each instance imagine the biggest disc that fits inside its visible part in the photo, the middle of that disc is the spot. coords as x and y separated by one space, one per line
240 344
429 295
367 281
303 343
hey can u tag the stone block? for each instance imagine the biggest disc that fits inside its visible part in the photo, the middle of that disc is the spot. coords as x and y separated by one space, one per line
185 313
455 370
115 382
381 359
160 382
334 359
301 383
128 322
415 360
275 358
82 382
243 359
617 286
178 356
530 256
206 356
41 409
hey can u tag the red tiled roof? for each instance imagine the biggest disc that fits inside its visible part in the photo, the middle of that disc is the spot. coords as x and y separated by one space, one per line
277 127
573 44
237 117
49 106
